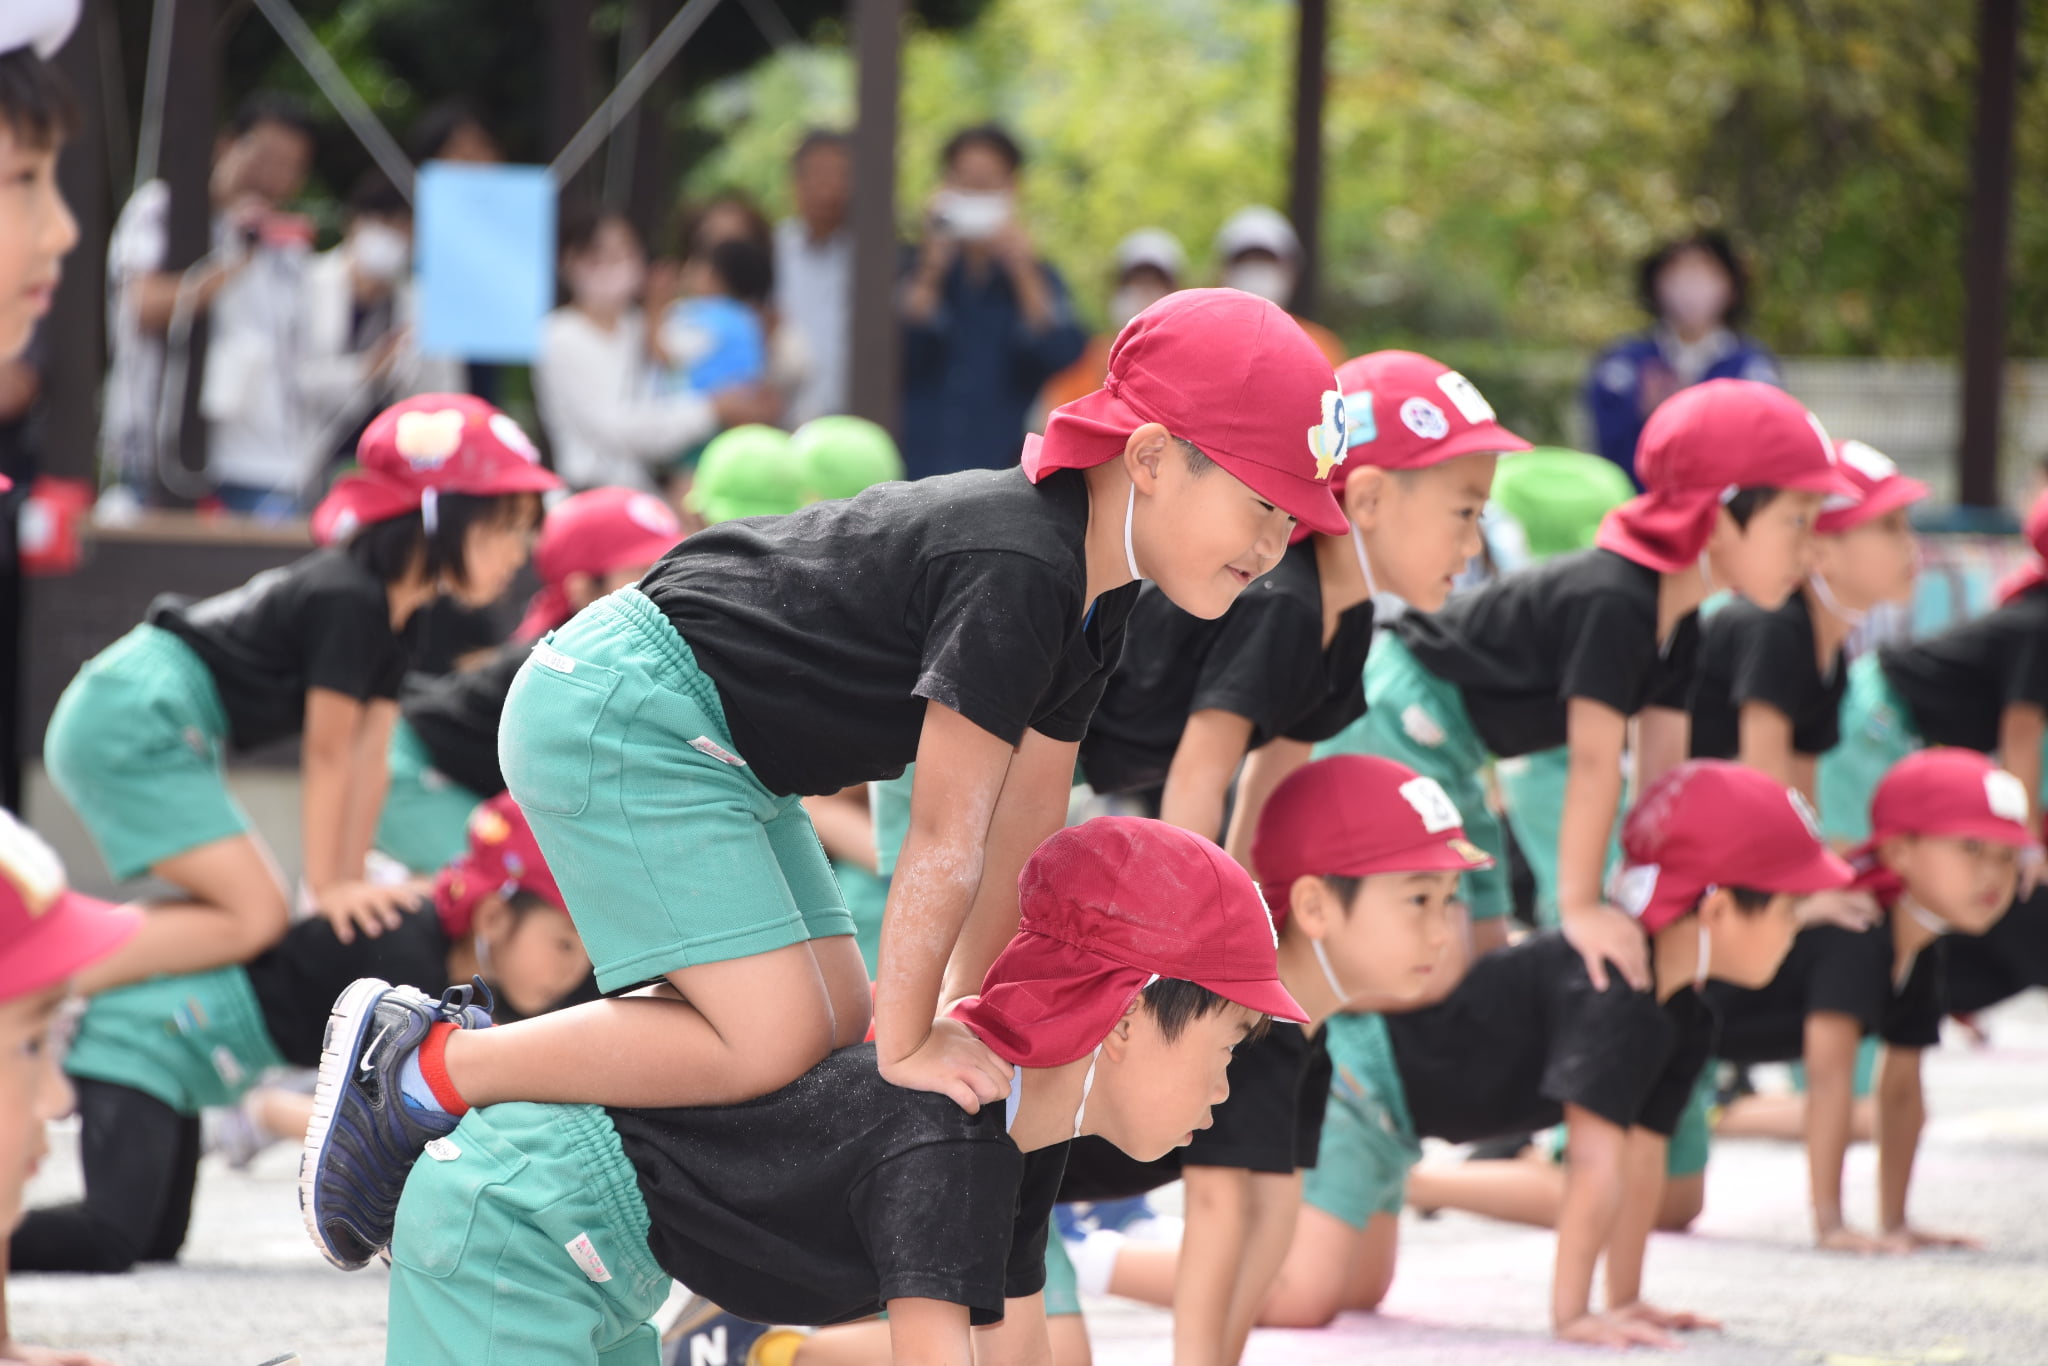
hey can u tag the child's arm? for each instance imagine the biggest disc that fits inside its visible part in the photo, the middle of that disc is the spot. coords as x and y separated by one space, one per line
371 779
933 1333
1585 1223
1601 933
1830 1056
329 756
1212 1249
1265 768
1663 740
12 1351
2020 728
1765 741
1901 1112
1212 745
1642 1194
1020 1339
977 810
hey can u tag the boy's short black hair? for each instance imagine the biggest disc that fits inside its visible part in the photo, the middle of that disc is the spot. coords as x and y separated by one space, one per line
1749 900
432 131
35 101
1345 889
579 225
993 136
1199 462
1748 502
272 106
820 140
389 549
1175 1004
373 195
747 272
1716 245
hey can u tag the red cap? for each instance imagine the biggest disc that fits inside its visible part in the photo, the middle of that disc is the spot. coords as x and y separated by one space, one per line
1710 823
1958 793
1406 411
594 533
1699 447
1880 489
446 443
1108 907
2035 574
502 858
47 931
1228 372
1352 815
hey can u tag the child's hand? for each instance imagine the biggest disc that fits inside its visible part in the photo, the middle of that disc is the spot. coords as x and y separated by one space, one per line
12 1352
367 906
744 403
1613 1330
1854 911
956 1064
1910 1239
1840 1239
1606 934
1671 1320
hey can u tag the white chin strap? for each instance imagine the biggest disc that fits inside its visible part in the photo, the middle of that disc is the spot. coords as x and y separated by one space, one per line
1130 558
1087 1085
1827 600
430 510
1372 590
1699 971
1323 960
1706 573
1924 918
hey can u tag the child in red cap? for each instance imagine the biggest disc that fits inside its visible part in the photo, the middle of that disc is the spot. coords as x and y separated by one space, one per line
1771 681
444 749
148 1057
662 741
1566 652
37 114
1980 684
1359 859
444 502
1947 828
1715 855
1143 957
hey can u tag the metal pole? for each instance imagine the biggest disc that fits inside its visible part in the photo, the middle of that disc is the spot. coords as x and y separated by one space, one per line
185 162
77 352
333 83
1305 193
877 361
570 80
1985 264
620 102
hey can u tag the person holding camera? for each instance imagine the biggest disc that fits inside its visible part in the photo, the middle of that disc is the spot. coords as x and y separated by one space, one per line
985 321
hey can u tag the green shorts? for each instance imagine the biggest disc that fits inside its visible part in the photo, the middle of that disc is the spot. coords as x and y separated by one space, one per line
1369 1142
522 1237
1877 732
866 897
1417 719
1532 788
1062 1294
889 807
667 855
135 745
190 1041
425 821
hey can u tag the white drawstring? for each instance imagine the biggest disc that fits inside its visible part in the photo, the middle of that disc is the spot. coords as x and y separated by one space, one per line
1924 918
1827 600
1087 1085
1372 589
1329 974
1699 971
430 510
1130 556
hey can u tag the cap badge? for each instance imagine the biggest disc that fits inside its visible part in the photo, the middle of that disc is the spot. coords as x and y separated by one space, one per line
1872 463
1470 852
1359 425
426 440
1804 809
1634 886
1425 419
513 437
488 827
1439 813
1465 397
652 515
31 865
1326 440
2006 795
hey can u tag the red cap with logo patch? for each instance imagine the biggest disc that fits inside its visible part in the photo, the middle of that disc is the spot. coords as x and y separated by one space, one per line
47 931
425 446
594 532
1353 815
503 858
1956 793
1710 823
1406 411
1699 448
1880 489
1229 373
2033 575
1107 908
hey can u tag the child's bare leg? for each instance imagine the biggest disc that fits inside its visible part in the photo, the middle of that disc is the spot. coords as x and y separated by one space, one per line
1332 1267
280 1112
743 1028
1530 1190
1783 1116
845 976
238 908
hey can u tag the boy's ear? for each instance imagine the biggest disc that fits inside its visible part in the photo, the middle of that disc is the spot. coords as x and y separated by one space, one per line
1365 496
580 588
1145 452
1308 905
1119 1041
492 919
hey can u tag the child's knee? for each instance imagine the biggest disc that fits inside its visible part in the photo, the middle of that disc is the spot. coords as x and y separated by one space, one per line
1684 1198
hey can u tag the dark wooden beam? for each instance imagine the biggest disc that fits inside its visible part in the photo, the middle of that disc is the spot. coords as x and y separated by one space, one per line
876 381
1986 253
190 123
571 88
1305 190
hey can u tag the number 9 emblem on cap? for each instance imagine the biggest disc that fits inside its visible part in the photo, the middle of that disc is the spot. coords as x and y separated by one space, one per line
1326 440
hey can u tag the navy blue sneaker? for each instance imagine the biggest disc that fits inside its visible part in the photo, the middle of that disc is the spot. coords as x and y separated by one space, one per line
366 1133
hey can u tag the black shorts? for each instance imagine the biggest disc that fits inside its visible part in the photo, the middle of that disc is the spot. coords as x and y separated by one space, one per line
1272 1122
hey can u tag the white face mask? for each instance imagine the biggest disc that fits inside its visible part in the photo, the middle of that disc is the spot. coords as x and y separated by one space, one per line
1270 280
1693 297
612 285
1128 302
973 215
380 252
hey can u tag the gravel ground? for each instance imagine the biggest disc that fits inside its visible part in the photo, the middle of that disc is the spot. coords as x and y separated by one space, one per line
250 1286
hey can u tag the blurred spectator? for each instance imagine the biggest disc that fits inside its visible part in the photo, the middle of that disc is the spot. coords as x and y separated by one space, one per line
250 287
1258 252
712 337
1149 266
358 356
452 131
1698 293
593 377
814 270
986 322
732 216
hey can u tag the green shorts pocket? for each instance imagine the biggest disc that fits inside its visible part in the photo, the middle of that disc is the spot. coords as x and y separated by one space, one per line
546 740
444 1199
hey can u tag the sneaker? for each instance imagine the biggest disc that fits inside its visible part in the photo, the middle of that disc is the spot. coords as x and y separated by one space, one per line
705 1335
365 1134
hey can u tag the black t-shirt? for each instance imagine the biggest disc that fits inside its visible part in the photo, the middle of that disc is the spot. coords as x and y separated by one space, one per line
456 717
1846 972
824 1200
322 622
1959 682
1525 1034
1750 655
297 981
828 630
1580 625
1263 660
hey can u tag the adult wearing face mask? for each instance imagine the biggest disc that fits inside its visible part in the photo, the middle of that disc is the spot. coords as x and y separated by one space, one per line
986 322
357 355
1258 252
593 376
1697 292
1149 266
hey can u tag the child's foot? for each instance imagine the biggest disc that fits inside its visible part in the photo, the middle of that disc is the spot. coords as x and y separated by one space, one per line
371 1120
